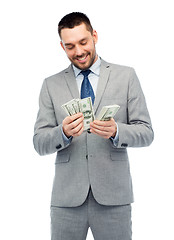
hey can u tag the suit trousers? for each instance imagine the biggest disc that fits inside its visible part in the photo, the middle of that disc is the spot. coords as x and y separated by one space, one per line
105 222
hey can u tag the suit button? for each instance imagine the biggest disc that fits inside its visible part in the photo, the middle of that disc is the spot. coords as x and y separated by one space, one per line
124 145
59 146
88 130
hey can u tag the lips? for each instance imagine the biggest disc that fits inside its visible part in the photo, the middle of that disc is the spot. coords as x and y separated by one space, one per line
82 59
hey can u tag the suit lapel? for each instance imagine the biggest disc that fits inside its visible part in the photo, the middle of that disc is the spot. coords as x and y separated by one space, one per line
71 82
103 79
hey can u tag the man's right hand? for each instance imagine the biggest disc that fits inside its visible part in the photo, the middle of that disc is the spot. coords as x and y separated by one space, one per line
73 125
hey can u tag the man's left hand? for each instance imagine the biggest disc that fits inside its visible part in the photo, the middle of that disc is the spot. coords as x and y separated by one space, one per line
105 129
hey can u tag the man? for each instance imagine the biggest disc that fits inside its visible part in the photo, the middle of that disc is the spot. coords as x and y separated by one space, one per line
92 185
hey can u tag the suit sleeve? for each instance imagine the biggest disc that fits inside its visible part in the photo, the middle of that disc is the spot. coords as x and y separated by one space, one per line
137 132
47 133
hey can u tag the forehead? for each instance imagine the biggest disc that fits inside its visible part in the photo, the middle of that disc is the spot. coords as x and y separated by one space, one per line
71 35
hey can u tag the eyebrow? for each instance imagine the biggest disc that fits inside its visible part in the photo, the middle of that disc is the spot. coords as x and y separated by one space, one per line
84 39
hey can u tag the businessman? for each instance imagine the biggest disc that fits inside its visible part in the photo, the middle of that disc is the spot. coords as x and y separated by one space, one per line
92 185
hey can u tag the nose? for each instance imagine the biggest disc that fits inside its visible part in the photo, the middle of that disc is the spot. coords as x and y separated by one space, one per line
79 51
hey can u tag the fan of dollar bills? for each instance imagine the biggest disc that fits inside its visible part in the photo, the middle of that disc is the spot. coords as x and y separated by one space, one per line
85 106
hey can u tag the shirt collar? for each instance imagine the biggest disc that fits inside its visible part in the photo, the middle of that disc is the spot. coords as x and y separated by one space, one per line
95 68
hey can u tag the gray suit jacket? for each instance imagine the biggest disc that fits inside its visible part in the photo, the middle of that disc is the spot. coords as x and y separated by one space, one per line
90 160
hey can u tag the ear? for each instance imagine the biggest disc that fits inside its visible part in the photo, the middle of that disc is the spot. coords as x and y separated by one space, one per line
62 45
95 36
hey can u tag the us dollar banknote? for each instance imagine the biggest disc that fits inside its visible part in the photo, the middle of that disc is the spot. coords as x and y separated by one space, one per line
71 107
86 108
81 105
108 112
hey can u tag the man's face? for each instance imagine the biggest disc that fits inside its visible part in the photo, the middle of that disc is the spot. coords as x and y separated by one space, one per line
79 45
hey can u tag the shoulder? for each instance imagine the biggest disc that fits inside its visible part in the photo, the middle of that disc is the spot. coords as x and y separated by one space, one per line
120 72
117 67
58 76
56 81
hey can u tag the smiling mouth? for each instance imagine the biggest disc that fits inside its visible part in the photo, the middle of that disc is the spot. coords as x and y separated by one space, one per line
82 59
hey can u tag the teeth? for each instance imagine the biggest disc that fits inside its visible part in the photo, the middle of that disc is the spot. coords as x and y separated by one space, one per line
82 58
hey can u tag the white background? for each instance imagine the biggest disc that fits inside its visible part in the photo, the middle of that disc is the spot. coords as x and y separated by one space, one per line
137 33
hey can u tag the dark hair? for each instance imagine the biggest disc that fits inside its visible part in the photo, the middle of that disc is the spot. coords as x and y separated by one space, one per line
74 19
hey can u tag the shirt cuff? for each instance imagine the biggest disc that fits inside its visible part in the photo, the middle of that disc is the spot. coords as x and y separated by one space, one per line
66 140
116 138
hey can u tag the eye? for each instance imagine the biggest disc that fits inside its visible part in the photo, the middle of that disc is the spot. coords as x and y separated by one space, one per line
69 46
83 42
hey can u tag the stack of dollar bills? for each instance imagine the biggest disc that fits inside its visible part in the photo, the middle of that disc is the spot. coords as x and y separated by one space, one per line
85 106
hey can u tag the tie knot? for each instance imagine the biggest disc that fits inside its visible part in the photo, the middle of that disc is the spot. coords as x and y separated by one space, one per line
86 72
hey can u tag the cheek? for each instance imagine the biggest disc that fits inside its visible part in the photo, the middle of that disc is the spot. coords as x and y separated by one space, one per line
89 47
92 48
69 54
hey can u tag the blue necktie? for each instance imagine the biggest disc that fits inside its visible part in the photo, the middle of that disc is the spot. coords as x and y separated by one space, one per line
86 88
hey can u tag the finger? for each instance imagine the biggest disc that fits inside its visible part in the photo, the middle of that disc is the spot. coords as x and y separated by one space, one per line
71 122
100 133
101 128
72 118
104 123
78 130
76 122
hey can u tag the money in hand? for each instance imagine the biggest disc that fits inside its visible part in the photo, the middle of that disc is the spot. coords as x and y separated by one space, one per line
71 107
108 112
81 105
85 106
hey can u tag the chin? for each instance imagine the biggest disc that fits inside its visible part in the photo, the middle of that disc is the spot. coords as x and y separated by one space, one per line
81 66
